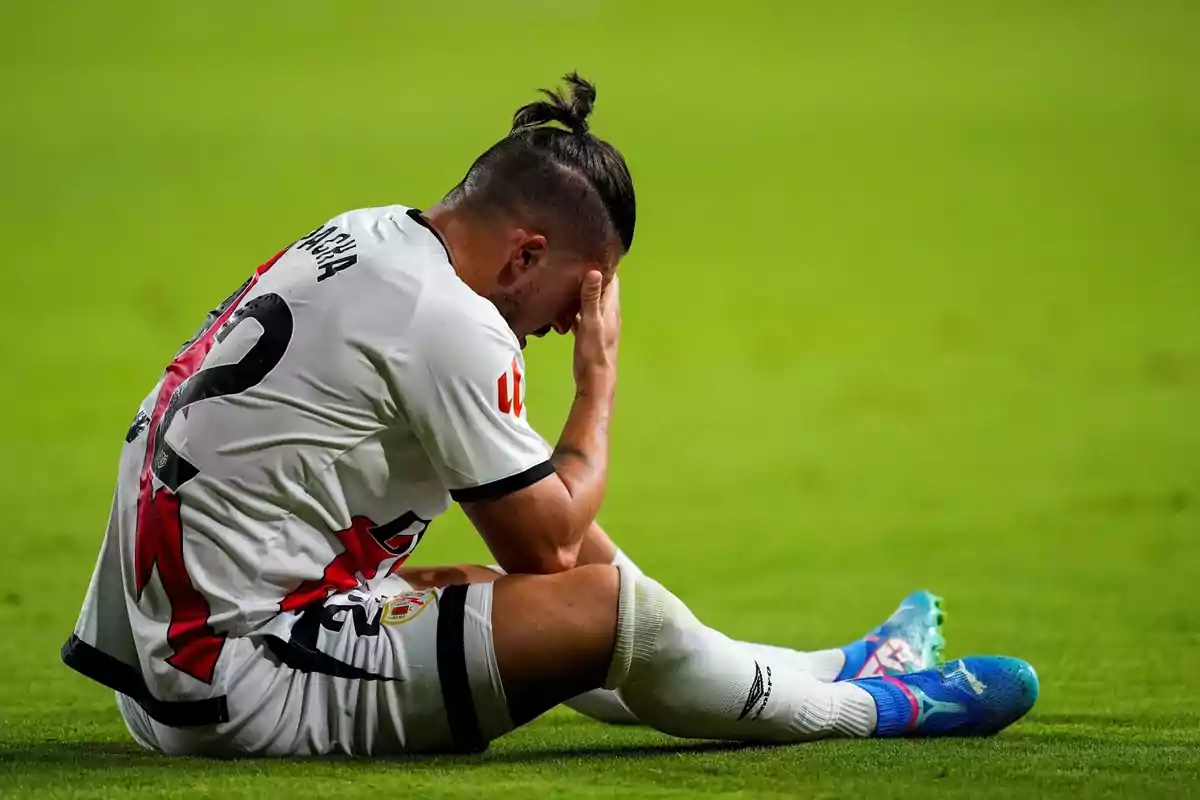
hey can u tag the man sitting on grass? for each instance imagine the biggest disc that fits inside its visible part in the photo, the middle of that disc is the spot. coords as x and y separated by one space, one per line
249 597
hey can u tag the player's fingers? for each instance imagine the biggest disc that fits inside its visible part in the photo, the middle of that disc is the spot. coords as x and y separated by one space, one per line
590 293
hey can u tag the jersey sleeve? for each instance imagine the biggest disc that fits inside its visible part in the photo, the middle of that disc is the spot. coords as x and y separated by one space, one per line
463 393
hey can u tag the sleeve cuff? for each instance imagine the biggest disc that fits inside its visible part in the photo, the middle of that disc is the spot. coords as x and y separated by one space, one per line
513 483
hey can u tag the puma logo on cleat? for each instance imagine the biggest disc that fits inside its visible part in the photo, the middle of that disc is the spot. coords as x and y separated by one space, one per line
757 692
892 656
977 686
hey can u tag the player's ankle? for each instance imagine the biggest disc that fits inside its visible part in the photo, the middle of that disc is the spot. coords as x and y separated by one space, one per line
893 704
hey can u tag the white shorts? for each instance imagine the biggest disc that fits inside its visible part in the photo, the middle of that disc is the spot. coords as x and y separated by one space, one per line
389 672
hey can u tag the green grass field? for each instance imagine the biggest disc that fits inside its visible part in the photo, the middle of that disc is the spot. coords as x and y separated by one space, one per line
914 301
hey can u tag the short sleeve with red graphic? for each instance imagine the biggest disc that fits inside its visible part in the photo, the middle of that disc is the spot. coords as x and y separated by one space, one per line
461 384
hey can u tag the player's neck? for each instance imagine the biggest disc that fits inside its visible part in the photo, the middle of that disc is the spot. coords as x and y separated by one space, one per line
467 246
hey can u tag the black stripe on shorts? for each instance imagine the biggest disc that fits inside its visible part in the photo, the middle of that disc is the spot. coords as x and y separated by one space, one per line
452 670
121 677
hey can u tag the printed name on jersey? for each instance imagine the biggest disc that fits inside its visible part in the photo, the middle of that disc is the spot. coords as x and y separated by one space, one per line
405 607
333 250
514 403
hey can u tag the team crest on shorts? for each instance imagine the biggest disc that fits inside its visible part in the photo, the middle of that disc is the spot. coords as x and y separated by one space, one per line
404 607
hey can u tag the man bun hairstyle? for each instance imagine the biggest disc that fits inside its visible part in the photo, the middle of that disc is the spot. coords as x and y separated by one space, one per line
571 112
553 170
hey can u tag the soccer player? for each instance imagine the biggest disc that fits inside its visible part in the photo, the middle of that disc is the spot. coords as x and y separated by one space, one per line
249 597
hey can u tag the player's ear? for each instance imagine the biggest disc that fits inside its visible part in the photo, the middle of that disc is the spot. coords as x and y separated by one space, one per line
528 251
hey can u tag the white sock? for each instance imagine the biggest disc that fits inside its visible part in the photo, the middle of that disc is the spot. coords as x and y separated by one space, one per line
688 680
606 705
824 665
622 561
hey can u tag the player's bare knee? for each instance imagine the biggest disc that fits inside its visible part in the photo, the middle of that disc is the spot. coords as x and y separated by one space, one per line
594 591
583 600
599 580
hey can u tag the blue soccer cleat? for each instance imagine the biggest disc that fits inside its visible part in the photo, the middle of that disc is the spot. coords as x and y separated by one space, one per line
909 641
973 696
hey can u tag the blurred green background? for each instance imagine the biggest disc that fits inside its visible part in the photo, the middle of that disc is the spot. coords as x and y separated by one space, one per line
913 302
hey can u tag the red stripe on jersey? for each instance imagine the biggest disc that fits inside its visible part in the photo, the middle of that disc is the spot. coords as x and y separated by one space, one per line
159 536
362 555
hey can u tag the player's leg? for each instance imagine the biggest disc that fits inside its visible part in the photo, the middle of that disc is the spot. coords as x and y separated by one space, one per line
460 666
557 635
381 672
455 668
554 636
908 641
824 665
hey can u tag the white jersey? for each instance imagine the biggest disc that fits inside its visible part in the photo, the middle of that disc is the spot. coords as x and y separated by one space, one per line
299 446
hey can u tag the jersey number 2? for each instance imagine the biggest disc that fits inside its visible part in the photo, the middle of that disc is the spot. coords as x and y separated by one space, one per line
195 645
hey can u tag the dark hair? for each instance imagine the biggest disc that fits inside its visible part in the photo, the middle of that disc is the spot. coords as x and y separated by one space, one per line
567 176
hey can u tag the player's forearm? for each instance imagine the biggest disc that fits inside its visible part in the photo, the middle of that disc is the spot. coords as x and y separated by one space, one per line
544 527
597 547
581 456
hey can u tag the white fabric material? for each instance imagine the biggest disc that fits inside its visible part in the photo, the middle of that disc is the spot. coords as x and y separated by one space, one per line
824 665
603 705
607 706
276 710
688 680
632 617
373 383
483 671
625 562
137 723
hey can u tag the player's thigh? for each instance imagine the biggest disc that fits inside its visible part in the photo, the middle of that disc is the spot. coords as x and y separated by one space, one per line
399 672
402 671
390 671
553 635
453 668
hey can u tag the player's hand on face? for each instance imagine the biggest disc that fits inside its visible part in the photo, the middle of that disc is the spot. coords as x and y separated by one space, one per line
597 333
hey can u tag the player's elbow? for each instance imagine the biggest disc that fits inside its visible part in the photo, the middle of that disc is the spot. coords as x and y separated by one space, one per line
566 558
553 560
537 556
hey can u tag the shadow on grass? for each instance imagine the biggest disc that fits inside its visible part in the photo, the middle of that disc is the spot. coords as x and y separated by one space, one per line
109 756
1106 732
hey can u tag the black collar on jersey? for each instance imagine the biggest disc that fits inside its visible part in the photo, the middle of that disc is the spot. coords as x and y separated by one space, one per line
416 216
